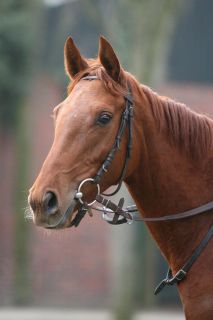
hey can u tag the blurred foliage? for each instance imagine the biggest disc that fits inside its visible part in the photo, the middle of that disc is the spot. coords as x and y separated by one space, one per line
17 22
80 19
18 35
138 29
192 46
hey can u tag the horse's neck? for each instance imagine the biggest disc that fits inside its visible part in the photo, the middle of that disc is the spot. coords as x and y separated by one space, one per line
163 180
166 181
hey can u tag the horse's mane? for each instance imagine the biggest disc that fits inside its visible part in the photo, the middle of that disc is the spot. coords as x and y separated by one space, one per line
192 132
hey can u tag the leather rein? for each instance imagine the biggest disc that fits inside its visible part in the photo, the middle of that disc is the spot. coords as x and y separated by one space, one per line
127 215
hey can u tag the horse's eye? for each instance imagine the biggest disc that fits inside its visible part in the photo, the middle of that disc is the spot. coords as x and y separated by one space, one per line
104 118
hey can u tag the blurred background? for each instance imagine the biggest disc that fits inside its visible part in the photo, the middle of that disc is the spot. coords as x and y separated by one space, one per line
166 44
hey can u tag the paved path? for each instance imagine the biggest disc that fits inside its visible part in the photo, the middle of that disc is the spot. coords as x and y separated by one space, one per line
57 314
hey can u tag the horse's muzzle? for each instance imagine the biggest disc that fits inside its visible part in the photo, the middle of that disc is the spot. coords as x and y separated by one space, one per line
47 213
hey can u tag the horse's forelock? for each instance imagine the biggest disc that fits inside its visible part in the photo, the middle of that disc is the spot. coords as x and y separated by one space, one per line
96 69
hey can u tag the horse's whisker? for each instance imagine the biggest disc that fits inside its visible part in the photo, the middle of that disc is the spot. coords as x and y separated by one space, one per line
28 213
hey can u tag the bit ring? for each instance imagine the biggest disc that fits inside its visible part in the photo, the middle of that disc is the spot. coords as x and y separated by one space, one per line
79 194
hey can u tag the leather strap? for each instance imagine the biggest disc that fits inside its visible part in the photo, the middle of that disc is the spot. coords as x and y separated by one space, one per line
128 216
126 121
185 214
112 206
79 216
181 274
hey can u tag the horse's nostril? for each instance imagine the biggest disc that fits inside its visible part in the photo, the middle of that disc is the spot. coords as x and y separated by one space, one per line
50 203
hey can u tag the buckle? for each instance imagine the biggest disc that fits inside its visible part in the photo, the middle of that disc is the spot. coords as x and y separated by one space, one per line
106 212
170 280
129 220
180 275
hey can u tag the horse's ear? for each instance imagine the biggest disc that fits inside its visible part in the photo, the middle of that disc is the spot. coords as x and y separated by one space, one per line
73 61
109 59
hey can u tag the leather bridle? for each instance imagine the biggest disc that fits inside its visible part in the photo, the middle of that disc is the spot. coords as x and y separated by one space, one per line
127 214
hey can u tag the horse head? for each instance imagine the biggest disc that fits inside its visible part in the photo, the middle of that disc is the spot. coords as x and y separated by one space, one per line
86 124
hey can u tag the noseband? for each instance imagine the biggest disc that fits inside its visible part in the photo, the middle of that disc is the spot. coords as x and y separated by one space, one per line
121 215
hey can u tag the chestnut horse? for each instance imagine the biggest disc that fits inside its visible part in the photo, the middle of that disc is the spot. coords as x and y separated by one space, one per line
170 167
